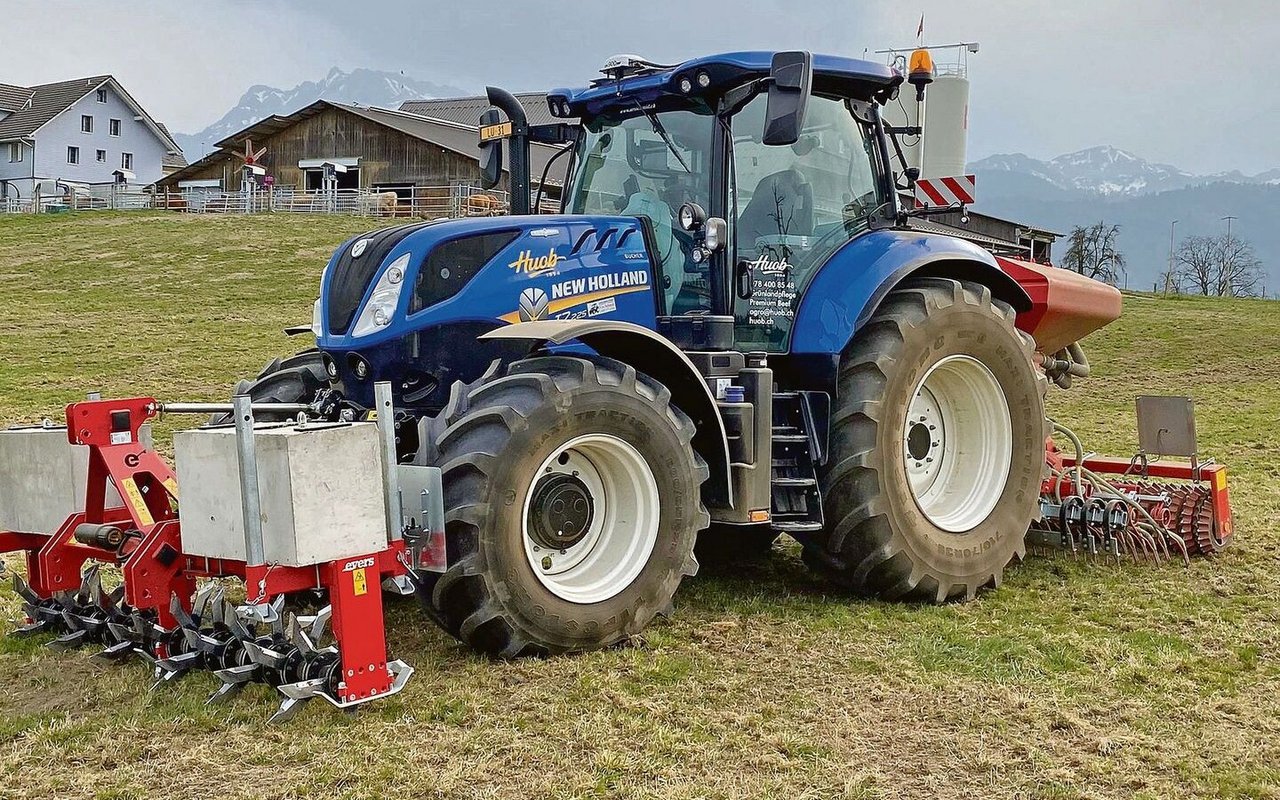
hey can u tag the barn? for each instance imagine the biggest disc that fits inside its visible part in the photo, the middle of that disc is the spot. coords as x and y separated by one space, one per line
331 151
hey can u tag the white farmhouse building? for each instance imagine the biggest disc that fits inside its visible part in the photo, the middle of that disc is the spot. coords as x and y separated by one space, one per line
82 131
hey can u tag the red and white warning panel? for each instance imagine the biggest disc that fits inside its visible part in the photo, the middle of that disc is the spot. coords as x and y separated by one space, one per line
944 192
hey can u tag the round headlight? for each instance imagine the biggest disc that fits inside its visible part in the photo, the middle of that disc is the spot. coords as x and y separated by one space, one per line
691 216
686 217
330 367
360 367
395 275
380 316
704 80
686 85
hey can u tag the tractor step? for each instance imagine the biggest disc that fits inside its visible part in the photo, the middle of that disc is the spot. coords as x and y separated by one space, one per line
797 504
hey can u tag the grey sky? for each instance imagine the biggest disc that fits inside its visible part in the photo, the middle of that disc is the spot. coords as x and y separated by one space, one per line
1164 79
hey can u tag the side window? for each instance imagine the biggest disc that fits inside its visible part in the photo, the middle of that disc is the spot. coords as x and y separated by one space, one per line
794 206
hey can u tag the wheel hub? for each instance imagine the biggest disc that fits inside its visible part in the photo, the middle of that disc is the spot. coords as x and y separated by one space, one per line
957 443
560 512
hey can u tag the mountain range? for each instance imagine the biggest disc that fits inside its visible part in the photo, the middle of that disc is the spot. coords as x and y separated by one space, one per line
364 86
1106 184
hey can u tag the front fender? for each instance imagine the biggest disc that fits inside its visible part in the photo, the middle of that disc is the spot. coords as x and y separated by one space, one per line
656 357
847 289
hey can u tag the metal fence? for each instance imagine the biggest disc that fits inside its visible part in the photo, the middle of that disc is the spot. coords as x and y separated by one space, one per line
422 202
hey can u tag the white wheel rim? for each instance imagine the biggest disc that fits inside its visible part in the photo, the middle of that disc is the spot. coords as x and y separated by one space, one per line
957 442
621 528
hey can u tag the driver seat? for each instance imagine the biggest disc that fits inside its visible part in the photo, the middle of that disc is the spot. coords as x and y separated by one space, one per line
781 204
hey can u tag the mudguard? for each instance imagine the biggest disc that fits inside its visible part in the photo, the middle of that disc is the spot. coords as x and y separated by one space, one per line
847 289
656 357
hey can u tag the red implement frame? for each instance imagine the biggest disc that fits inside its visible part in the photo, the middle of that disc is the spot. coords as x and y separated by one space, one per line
157 569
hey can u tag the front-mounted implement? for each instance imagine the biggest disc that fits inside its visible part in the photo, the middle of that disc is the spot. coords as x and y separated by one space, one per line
259 510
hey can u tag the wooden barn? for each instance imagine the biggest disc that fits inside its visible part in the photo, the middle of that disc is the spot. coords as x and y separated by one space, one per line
376 151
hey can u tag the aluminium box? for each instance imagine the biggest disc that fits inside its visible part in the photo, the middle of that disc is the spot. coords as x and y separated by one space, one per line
321 488
43 477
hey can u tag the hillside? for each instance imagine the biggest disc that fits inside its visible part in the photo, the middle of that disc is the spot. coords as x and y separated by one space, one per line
1075 680
1143 198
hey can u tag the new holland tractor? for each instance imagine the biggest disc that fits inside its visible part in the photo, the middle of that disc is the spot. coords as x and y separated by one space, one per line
732 324
735 328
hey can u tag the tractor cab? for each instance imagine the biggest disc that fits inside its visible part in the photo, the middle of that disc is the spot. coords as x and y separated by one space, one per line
748 170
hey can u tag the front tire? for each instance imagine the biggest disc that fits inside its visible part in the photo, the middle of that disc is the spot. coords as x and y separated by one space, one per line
937 447
572 501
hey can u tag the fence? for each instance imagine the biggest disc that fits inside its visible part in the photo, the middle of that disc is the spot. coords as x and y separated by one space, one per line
423 202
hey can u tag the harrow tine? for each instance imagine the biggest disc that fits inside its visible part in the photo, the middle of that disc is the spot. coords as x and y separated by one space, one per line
31 628
69 641
298 637
25 591
90 584
320 623
180 614
218 607
173 668
200 642
237 627
234 679
200 605
296 695
264 656
115 653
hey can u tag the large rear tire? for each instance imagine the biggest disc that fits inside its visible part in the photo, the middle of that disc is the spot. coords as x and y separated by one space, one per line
937 447
572 500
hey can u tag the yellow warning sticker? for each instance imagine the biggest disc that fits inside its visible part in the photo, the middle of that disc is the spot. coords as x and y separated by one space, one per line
359 583
172 486
134 497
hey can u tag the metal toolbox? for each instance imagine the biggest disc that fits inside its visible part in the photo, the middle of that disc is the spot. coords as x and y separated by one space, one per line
321 490
50 486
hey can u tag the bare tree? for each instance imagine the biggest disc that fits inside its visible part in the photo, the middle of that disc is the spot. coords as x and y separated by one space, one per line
1093 252
1219 266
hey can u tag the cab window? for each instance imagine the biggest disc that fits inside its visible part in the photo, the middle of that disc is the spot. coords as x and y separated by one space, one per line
795 205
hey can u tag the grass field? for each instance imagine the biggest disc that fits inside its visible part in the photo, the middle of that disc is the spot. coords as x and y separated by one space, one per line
1074 680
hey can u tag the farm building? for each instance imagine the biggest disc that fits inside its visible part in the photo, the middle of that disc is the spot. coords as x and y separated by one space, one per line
365 150
1002 236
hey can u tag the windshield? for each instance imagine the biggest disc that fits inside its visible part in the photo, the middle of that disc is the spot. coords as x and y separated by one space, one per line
647 164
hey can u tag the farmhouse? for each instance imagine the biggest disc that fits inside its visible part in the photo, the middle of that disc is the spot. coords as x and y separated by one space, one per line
78 132
373 149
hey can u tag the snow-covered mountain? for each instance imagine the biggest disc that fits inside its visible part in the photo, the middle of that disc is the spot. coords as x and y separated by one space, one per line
1109 172
364 86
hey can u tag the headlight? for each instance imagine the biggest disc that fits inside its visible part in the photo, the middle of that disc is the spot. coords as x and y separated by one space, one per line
317 326
381 306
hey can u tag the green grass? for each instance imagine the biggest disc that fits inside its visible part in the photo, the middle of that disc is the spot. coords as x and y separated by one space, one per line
1074 680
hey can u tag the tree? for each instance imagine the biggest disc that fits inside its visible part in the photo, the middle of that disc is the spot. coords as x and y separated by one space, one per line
1093 253
1220 266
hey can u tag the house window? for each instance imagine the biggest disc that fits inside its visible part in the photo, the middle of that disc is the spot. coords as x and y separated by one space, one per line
102 95
126 161
86 123
102 156
15 152
114 127
73 155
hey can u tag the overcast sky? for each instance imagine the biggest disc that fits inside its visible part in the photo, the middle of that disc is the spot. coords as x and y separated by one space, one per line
1188 83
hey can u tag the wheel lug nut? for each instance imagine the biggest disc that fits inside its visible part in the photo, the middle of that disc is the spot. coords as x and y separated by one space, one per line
546 562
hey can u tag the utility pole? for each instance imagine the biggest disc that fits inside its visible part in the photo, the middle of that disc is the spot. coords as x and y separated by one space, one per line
1168 278
1226 250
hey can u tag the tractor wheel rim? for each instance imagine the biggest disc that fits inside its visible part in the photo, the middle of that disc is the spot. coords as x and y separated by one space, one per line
602 484
957 443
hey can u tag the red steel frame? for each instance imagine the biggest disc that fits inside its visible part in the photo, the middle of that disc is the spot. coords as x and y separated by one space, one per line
157 569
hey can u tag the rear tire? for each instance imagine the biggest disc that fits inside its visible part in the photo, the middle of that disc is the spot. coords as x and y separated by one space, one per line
527 574
939 369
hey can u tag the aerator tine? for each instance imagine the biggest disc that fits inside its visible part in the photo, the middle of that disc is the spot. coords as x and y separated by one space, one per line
265 656
234 679
296 695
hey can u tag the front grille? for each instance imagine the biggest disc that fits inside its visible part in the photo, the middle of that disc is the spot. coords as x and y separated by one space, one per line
351 277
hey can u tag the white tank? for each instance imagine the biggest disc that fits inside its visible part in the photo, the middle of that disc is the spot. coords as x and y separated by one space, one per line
946 125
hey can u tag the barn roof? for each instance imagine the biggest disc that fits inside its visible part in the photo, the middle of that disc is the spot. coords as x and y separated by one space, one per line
450 135
467 110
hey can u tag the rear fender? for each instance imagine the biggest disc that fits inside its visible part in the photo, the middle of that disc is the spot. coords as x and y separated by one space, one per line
658 358
848 288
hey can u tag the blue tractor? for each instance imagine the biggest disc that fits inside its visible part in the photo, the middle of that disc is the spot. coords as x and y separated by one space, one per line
730 326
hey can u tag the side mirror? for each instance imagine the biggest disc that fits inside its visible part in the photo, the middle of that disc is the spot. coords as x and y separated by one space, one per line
791 79
490 151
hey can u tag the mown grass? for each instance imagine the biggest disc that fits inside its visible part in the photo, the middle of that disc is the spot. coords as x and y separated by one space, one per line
1074 680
